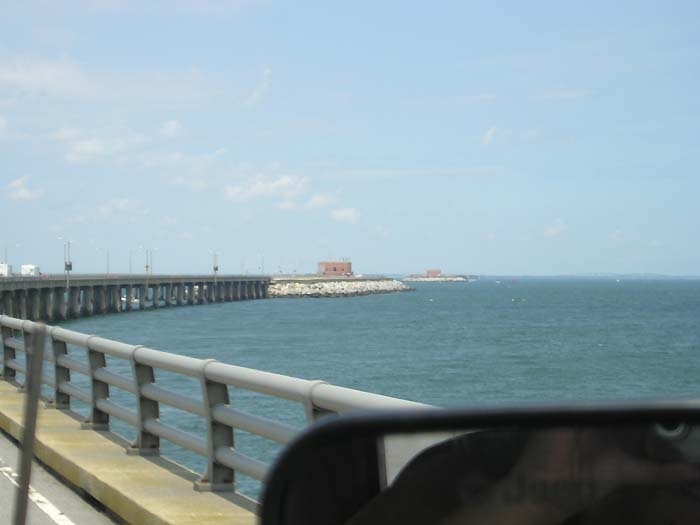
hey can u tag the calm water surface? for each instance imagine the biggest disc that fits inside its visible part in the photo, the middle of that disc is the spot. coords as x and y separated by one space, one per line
445 343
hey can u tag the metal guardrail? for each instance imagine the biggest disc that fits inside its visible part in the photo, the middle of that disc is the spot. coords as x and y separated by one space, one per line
220 419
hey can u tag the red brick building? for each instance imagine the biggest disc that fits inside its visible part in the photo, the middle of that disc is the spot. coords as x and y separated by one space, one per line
335 268
433 273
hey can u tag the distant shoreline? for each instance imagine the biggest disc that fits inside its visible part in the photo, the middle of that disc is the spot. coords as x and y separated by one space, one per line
443 279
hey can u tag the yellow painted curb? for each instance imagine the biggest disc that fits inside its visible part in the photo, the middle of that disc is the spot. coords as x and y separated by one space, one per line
138 489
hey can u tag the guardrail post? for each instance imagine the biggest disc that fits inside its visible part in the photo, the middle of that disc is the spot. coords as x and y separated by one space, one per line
28 339
146 444
314 413
8 353
61 375
97 420
218 477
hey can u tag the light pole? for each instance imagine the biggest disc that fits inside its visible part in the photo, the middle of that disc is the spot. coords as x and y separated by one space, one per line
149 262
67 263
214 264
106 250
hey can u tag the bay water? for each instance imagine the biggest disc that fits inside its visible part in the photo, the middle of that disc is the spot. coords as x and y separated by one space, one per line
490 342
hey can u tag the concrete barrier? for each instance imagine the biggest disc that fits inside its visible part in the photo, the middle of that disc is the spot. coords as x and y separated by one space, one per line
143 490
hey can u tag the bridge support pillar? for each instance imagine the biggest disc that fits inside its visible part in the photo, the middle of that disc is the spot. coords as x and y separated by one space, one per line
22 303
101 299
115 298
190 293
60 303
73 302
201 294
8 304
142 297
168 291
156 295
180 294
34 305
89 300
46 305
129 294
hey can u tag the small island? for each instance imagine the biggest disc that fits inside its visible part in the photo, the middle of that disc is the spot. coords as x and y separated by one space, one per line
324 287
333 279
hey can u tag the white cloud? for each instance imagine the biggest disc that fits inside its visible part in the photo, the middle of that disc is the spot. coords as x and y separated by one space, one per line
18 190
187 236
75 219
82 148
24 75
319 200
285 186
168 220
32 75
171 129
556 229
288 206
260 89
488 136
114 207
7 132
349 215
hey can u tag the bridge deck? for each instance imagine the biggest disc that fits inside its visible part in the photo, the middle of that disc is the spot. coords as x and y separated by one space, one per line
138 489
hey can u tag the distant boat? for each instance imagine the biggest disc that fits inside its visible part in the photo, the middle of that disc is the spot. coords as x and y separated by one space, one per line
134 301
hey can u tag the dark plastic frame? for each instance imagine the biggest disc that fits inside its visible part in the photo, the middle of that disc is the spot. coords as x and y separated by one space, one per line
378 423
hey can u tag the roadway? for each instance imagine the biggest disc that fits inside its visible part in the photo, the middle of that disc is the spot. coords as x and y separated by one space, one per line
50 501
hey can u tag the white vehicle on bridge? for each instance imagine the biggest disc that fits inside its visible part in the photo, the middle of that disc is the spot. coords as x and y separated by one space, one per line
29 270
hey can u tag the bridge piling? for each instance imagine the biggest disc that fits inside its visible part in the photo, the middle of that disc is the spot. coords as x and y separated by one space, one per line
49 299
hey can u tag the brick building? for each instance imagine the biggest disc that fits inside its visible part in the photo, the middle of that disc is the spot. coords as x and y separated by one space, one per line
433 273
335 268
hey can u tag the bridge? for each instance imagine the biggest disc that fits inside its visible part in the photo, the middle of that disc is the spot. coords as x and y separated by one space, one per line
116 383
53 298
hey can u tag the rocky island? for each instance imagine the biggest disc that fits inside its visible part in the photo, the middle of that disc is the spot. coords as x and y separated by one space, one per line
333 287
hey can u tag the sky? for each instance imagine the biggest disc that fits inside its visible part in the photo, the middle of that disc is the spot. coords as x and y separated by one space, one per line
503 138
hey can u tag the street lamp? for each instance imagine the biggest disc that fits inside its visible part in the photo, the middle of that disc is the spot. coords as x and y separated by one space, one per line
67 263
149 260
106 250
214 264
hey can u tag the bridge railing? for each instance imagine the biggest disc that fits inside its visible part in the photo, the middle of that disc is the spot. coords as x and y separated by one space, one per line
221 420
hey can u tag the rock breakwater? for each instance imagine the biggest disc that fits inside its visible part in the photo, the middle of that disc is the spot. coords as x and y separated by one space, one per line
342 288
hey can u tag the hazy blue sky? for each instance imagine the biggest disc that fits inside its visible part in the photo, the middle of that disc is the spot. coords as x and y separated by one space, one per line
481 137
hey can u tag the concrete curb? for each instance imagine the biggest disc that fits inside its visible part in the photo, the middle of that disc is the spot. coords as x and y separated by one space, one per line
151 491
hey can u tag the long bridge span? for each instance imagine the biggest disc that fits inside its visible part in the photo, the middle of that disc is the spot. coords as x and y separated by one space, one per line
54 298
